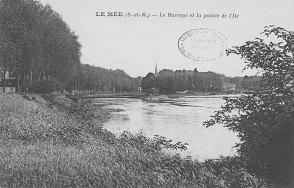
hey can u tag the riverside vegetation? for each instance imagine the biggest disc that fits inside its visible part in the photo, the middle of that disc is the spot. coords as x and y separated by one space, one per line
264 121
52 141
42 54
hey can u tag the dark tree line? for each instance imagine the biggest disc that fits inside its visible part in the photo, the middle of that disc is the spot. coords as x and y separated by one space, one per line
97 79
169 81
36 46
246 83
39 50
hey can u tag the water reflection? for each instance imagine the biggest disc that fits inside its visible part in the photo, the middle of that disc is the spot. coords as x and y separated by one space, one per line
177 119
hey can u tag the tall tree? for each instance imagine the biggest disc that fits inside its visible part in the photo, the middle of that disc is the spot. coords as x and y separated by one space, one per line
44 48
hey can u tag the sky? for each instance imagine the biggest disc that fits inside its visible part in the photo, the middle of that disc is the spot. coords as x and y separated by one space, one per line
135 45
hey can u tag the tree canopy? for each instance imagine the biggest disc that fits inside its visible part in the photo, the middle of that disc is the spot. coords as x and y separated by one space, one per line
104 80
264 120
36 45
169 81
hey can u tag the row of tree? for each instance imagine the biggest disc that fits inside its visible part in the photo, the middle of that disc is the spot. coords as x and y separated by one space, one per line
39 50
169 81
36 46
246 83
97 79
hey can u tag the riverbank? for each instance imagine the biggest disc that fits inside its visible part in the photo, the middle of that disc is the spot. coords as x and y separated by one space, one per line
53 141
138 95
135 95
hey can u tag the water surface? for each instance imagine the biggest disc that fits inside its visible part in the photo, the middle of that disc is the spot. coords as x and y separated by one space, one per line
177 119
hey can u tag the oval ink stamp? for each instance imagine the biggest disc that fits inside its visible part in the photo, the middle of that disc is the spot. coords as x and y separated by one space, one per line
202 44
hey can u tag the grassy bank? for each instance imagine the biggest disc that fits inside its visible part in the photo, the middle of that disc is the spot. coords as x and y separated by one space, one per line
52 141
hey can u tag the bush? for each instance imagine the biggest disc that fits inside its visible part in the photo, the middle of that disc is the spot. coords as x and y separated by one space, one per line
264 120
54 147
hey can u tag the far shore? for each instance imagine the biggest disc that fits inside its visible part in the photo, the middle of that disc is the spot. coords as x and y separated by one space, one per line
137 95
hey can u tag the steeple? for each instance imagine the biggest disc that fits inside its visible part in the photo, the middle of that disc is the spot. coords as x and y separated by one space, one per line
156 71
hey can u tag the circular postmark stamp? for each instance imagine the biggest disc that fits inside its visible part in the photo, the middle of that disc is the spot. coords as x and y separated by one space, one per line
202 44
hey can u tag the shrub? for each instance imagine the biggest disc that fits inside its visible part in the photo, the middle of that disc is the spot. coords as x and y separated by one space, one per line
264 120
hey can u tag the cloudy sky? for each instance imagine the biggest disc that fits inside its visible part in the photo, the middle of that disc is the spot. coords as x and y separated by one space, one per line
136 44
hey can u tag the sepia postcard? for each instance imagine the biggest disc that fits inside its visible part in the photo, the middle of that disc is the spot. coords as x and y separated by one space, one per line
137 93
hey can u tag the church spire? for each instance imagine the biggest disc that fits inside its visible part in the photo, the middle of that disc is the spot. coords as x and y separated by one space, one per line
156 71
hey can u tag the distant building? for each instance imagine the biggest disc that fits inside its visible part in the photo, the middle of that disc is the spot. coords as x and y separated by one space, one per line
9 84
229 86
182 92
152 91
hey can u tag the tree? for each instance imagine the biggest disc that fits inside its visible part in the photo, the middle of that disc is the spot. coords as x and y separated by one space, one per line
148 81
93 78
264 121
36 46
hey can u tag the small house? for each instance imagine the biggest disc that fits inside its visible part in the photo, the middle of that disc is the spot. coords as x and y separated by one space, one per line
229 87
9 84
152 91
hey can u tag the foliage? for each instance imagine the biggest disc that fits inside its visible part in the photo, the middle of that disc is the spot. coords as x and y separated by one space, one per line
49 146
45 86
36 45
170 81
264 120
151 145
100 79
38 48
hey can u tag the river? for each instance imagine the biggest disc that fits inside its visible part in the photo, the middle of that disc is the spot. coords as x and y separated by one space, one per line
177 119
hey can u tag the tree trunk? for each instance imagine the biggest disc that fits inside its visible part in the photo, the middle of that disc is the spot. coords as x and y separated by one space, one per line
31 79
31 76
4 81
17 87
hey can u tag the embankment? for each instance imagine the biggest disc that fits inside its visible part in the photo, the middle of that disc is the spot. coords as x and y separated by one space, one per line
52 141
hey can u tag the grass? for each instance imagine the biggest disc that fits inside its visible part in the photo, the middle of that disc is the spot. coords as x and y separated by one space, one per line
51 141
